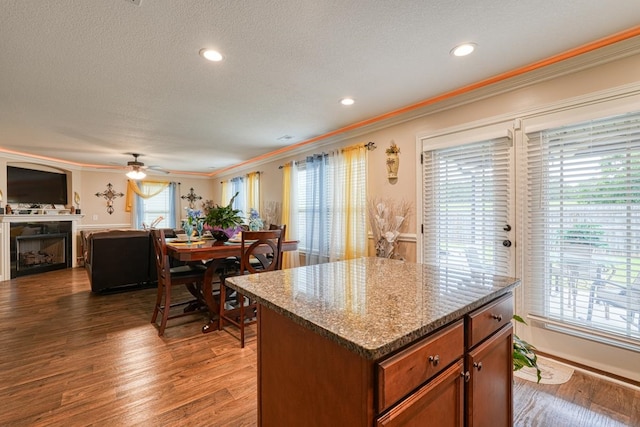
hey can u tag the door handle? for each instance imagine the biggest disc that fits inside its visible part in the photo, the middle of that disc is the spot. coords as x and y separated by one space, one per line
506 243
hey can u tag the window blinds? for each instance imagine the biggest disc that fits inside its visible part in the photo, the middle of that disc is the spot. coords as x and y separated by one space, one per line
582 261
466 206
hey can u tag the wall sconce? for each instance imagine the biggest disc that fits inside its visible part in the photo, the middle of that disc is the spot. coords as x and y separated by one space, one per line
109 195
191 197
393 161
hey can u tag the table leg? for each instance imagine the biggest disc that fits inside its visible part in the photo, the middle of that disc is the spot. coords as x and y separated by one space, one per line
207 291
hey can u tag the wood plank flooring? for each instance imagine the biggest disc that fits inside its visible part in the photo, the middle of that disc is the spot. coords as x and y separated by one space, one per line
72 358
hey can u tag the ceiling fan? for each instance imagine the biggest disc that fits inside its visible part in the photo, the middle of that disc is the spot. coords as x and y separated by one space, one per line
136 168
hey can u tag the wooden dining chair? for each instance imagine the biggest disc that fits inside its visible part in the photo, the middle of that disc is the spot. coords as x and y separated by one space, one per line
169 277
266 248
282 227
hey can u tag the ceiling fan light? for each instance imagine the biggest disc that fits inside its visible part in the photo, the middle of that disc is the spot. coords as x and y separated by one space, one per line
136 174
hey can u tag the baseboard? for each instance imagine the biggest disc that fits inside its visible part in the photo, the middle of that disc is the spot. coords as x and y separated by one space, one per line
593 371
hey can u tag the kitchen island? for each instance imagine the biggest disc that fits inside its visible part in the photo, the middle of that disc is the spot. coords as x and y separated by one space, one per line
382 342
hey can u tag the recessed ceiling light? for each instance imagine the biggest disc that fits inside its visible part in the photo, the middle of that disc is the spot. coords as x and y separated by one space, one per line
463 49
347 101
211 55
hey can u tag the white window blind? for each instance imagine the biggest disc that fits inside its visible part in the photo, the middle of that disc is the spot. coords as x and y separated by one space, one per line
466 206
583 223
157 206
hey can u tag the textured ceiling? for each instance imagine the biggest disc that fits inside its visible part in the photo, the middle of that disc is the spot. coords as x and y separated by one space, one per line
88 81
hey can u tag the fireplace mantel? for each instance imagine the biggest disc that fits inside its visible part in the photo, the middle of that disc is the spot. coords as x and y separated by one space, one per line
5 236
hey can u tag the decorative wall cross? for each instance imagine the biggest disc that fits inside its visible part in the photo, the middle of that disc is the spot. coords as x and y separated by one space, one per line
191 197
109 195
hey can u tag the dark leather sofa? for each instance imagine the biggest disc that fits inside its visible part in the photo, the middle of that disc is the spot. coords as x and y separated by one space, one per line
118 259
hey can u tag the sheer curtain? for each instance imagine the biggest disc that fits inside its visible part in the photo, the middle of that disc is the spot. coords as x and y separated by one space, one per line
253 191
316 197
238 186
348 228
225 194
331 204
290 214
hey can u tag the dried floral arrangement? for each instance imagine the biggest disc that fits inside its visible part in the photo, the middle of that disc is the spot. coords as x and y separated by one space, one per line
393 149
271 213
387 218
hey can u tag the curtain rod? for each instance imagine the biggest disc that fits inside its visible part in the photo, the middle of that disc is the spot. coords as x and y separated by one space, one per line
242 176
369 146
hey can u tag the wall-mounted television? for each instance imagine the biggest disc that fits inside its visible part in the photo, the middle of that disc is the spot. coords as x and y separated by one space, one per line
30 186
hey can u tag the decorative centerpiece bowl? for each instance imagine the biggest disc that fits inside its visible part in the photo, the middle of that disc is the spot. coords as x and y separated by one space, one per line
219 235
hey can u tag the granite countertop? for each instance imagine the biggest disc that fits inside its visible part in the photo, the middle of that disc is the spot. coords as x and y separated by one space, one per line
372 306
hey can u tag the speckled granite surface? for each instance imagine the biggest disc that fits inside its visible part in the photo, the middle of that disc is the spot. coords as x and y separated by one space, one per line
372 306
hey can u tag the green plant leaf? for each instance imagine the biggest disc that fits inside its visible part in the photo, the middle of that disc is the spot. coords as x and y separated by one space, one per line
519 319
523 353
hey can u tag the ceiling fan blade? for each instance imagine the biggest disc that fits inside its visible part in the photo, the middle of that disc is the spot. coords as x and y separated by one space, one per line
158 169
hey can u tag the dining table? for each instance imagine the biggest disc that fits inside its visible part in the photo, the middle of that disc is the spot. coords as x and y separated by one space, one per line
213 253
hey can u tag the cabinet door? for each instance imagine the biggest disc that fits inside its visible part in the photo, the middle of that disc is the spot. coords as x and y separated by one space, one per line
438 403
489 390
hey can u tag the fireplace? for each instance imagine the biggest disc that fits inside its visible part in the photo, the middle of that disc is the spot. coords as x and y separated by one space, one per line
37 247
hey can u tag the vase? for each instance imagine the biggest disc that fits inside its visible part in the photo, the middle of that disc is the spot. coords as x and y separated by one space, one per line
393 162
385 249
188 230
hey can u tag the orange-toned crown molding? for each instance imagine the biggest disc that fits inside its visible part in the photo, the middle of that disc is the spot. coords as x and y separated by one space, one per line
86 165
589 47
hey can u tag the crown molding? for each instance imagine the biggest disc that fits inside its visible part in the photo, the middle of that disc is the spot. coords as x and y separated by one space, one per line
584 61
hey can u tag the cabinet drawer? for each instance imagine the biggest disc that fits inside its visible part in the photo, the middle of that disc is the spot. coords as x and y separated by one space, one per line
438 403
488 319
405 371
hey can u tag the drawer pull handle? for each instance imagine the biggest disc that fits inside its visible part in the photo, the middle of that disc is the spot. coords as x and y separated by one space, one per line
498 317
434 360
478 366
466 376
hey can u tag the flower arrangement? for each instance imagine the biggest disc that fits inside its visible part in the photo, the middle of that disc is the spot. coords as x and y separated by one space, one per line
193 216
193 221
393 149
255 222
386 218
222 218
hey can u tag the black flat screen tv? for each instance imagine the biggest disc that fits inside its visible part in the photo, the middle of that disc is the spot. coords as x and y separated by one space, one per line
30 186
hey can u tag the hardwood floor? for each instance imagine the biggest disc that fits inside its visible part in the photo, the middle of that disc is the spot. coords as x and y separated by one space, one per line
69 357
584 401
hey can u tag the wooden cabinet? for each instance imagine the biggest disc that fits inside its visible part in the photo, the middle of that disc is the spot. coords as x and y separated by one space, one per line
489 389
460 375
488 362
486 374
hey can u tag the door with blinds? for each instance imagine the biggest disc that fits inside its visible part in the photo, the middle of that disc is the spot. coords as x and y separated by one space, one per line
467 201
